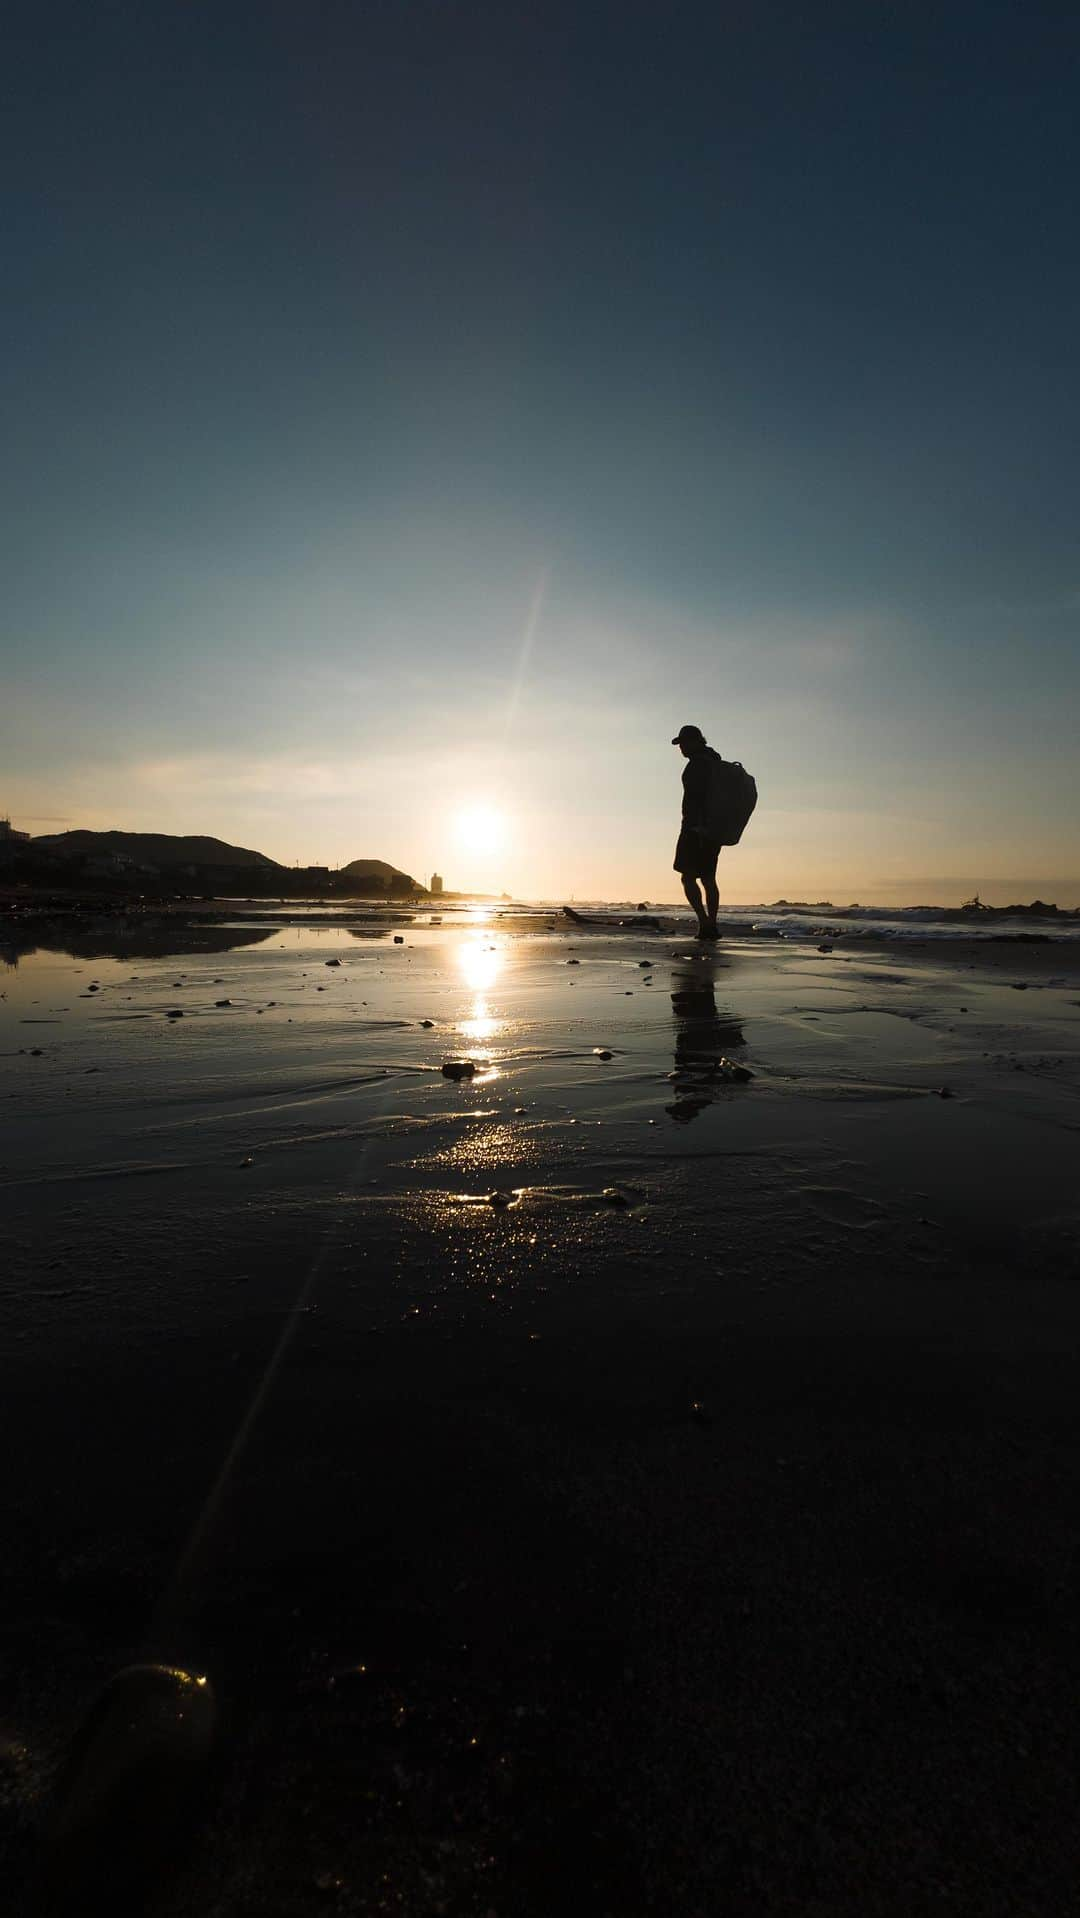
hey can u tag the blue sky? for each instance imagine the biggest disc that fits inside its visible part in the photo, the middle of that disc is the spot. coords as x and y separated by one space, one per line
411 407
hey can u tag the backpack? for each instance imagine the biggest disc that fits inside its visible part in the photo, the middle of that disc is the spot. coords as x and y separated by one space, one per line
732 798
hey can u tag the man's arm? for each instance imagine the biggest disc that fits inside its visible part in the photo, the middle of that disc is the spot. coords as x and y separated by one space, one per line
695 781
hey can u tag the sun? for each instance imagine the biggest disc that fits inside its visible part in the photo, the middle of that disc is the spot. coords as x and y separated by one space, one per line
481 829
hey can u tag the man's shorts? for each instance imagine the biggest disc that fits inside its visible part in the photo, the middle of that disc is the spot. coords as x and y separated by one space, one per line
695 855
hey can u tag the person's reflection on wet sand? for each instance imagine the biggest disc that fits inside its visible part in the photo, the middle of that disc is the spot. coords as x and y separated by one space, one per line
704 1034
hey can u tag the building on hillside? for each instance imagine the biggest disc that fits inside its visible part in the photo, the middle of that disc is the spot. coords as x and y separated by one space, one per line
436 884
8 831
100 865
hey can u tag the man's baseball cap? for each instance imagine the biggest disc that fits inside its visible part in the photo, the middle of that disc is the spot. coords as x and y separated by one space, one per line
689 736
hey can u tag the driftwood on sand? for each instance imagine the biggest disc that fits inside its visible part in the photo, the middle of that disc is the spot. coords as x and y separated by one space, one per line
640 922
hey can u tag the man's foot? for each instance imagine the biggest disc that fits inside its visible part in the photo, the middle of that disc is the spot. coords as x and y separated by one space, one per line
711 933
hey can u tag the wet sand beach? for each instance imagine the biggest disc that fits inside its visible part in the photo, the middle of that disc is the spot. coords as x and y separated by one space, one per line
605 1481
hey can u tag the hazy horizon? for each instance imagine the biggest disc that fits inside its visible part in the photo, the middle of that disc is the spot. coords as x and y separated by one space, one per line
941 890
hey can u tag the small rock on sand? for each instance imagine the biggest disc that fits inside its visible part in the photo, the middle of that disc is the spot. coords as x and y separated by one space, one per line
427 1024
134 1768
333 962
458 1068
174 1013
601 1052
223 1002
741 1074
398 939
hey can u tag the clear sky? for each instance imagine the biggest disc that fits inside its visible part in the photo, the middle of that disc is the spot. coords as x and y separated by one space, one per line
412 407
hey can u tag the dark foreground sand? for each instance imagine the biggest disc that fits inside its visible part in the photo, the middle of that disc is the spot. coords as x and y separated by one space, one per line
661 1499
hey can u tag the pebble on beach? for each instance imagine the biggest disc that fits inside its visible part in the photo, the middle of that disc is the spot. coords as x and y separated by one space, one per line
332 962
458 1068
132 1774
741 1074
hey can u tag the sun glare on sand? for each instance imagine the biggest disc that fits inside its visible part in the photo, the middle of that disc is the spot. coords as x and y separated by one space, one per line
481 829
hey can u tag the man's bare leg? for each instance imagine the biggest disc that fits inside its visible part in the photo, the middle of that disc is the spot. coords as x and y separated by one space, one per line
690 888
712 905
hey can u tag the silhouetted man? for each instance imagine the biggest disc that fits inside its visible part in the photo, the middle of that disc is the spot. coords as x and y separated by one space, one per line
697 851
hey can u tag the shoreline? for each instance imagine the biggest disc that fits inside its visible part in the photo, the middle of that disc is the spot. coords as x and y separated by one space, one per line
887 924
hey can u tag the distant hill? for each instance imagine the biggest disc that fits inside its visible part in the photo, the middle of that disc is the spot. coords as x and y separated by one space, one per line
161 864
375 869
151 849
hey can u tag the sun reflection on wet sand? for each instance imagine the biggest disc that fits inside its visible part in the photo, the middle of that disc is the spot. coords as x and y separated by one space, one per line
479 964
489 1146
439 1208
